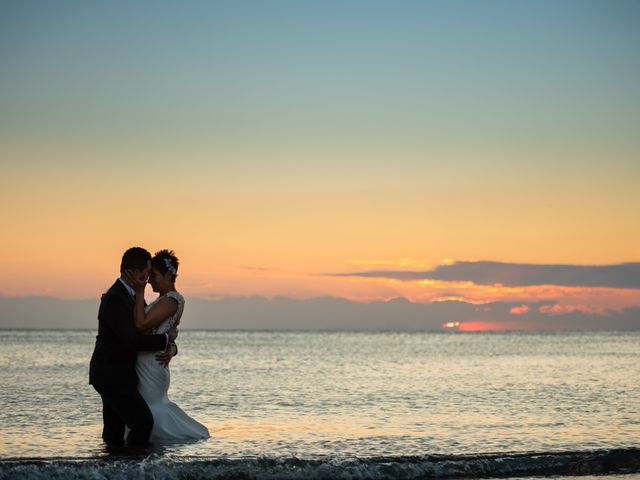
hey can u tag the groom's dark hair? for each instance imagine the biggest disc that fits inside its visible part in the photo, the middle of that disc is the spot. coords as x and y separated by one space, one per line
135 258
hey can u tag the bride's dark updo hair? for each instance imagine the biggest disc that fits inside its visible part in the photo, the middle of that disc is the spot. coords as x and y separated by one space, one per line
165 261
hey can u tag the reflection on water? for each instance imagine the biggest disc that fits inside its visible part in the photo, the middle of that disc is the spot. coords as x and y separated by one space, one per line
339 393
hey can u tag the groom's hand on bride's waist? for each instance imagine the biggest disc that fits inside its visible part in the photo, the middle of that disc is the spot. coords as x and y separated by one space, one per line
165 357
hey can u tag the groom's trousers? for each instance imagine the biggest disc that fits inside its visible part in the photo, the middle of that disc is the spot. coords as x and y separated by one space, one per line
124 406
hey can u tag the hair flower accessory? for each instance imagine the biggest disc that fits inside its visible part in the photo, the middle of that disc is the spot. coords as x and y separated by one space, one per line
170 267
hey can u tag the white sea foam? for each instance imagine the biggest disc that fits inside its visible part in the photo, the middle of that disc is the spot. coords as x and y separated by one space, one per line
384 468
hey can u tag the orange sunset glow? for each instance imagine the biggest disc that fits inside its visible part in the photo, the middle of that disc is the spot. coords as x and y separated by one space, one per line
283 175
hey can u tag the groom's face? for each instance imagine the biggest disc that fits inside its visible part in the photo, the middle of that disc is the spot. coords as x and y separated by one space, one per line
143 273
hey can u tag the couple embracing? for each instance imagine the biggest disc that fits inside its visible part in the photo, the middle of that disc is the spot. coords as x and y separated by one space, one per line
135 343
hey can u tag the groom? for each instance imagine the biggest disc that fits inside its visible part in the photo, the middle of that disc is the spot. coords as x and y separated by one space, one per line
112 371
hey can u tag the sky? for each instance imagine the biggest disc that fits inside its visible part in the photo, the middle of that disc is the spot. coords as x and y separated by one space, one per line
292 148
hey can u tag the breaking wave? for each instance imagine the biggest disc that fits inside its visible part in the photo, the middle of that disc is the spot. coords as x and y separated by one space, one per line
278 468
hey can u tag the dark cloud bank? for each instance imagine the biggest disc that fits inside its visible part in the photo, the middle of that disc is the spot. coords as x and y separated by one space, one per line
318 313
624 275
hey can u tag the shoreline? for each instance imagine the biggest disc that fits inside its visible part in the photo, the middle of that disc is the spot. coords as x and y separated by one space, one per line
610 462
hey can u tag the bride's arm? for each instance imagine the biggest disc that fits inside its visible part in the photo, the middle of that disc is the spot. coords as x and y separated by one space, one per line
138 285
162 310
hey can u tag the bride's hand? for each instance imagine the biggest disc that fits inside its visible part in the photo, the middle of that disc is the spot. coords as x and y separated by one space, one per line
136 282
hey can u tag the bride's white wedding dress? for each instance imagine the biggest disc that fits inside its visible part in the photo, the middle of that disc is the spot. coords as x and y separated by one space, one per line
169 421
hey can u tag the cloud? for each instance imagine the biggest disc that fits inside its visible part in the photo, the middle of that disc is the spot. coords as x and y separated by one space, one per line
519 310
259 313
624 275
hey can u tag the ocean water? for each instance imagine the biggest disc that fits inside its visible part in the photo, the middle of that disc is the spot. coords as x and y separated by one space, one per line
347 401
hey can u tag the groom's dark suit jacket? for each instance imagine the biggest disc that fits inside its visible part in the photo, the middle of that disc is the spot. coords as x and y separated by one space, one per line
113 362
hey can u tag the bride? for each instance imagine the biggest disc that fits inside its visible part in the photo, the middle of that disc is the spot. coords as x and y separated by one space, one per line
169 421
